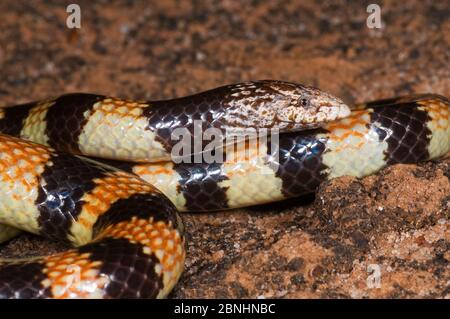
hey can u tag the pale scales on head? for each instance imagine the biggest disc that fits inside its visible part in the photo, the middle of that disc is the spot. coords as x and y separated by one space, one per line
281 105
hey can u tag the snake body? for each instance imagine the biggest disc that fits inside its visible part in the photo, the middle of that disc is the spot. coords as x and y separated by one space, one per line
409 129
128 238
142 131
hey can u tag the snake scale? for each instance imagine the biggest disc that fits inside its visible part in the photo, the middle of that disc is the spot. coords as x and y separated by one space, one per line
119 211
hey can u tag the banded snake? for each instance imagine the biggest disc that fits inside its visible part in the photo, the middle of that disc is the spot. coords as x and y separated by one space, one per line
121 215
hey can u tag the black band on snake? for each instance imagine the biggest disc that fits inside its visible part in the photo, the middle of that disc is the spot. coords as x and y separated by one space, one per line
123 221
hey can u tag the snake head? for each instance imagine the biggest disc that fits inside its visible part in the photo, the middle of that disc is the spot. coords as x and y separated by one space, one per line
281 105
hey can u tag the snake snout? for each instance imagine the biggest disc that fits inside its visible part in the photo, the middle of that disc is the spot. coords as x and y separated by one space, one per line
331 108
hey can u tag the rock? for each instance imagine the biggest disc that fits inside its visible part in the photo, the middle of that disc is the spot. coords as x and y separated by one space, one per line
397 220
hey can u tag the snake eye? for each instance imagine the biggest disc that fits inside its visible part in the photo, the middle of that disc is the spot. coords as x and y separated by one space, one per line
303 102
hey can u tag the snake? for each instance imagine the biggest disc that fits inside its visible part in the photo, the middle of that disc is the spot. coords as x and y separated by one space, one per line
97 173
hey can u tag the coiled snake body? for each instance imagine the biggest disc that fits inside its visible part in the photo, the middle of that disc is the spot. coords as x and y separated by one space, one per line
129 240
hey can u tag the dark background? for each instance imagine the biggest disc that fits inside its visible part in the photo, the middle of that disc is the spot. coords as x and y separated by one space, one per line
162 49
